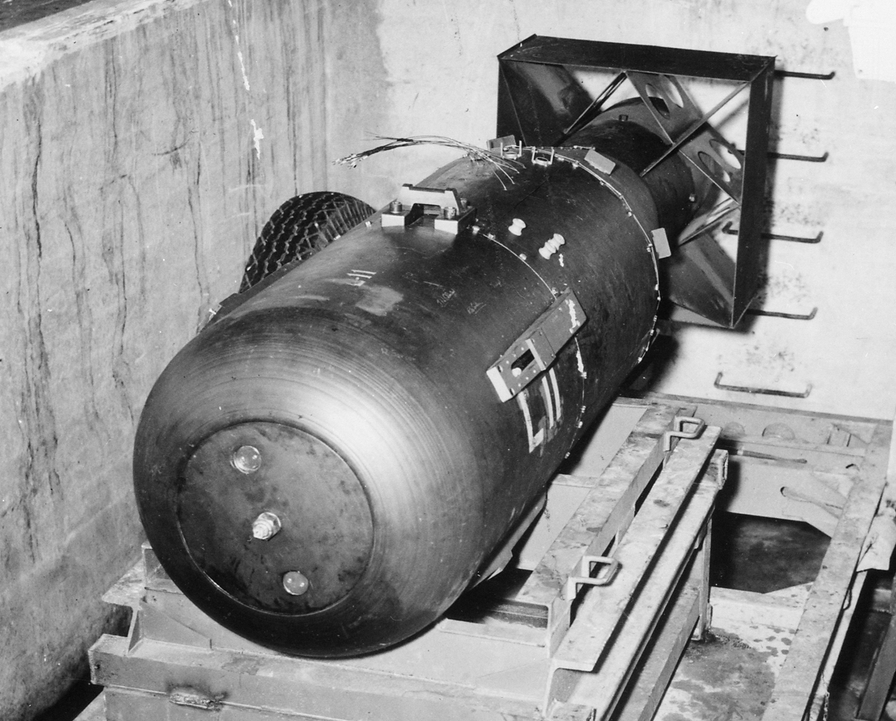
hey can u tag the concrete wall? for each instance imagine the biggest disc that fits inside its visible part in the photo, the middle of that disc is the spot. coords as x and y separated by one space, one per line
441 72
145 142
142 145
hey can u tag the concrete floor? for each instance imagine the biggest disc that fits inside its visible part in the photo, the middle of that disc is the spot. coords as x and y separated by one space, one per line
767 555
731 676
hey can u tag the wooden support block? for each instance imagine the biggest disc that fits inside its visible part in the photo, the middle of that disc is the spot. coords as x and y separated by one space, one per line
600 612
615 625
651 679
603 514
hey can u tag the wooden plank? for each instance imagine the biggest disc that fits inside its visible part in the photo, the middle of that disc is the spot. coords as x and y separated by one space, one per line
605 686
444 656
634 629
128 590
259 686
600 613
605 508
652 678
798 679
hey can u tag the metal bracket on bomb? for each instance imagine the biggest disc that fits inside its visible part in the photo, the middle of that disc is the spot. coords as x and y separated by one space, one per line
453 213
535 350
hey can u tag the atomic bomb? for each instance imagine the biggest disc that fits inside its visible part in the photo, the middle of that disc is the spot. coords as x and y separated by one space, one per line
334 459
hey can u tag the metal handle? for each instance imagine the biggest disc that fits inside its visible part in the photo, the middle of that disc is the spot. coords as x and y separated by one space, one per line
761 391
779 314
454 215
777 236
804 158
678 431
806 76
444 198
584 577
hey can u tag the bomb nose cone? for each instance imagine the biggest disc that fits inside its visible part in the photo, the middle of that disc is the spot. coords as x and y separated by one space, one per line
325 523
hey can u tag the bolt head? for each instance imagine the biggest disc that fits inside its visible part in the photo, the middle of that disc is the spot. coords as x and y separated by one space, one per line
266 526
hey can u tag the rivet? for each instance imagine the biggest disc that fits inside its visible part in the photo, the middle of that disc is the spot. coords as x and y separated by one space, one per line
295 583
246 459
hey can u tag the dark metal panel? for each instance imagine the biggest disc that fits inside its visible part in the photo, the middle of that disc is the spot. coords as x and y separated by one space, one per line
700 277
642 58
750 242
538 102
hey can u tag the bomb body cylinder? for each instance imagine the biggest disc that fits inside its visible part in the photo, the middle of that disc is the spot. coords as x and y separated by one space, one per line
327 467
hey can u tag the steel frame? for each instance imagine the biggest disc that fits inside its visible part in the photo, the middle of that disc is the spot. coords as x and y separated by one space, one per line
541 103
178 664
